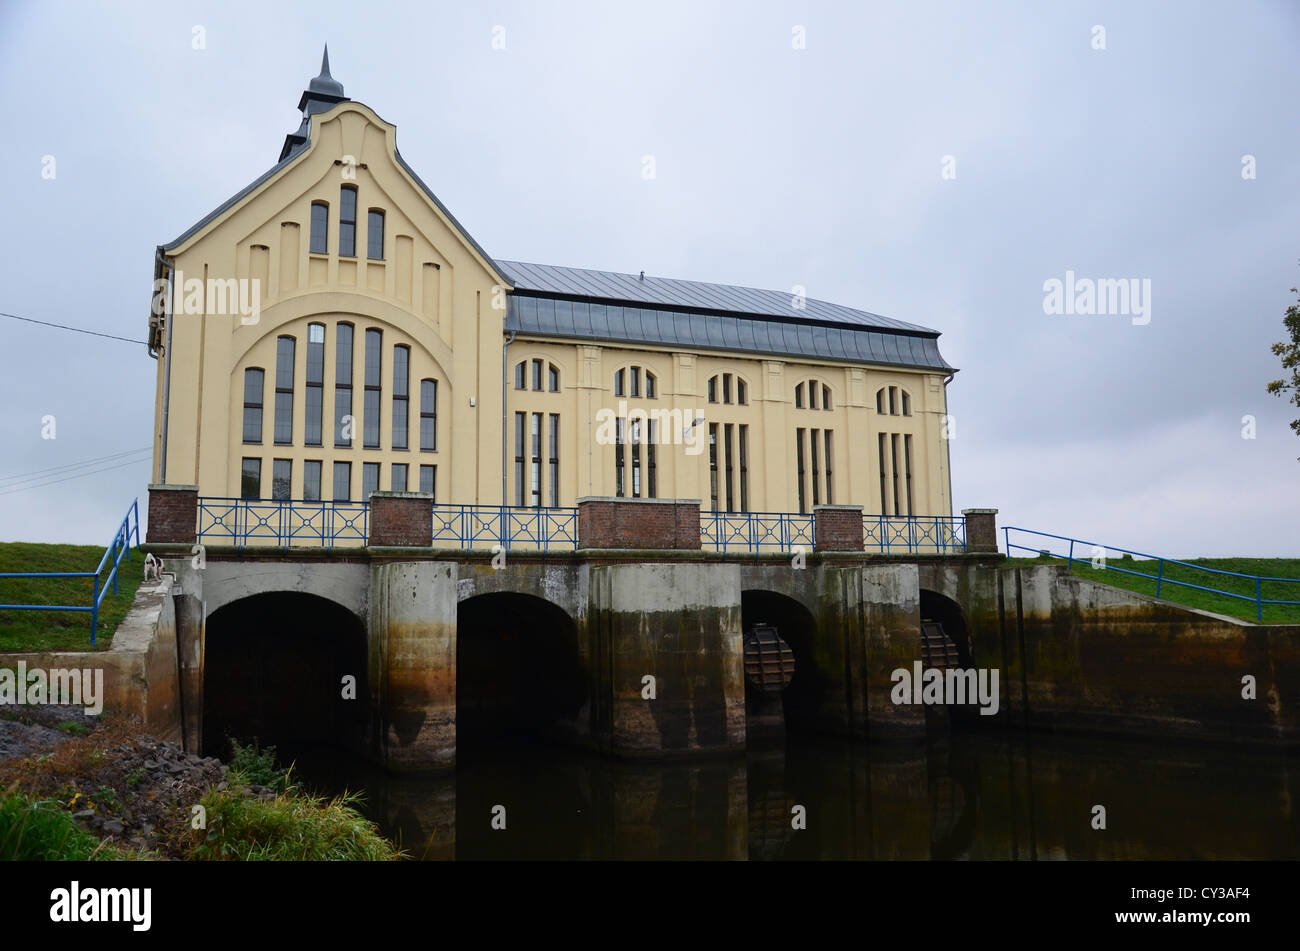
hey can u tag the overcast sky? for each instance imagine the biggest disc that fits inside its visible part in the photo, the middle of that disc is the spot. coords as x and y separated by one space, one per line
775 166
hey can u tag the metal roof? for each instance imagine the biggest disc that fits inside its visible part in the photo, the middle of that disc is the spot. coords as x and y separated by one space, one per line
691 295
610 322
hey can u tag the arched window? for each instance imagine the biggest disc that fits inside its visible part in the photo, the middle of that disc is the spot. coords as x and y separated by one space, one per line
537 374
428 419
818 394
798 396
720 389
320 227
401 395
520 373
254 380
713 389
742 397
552 378
651 391
348 221
620 386
893 401
284 348
375 235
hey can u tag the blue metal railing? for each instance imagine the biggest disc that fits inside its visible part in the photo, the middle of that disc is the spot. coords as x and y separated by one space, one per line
755 531
118 550
510 527
241 522
913 534
1076 549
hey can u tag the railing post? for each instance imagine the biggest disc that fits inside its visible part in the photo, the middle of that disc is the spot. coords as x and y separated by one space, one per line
400 520
173 513
1160 574
837 528
1259 604
1069 561
94 608
639 523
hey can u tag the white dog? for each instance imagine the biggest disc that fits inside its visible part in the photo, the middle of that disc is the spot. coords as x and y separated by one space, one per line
152 568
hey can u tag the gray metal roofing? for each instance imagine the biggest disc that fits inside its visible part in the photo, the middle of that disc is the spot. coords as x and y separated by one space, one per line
694 295
600 321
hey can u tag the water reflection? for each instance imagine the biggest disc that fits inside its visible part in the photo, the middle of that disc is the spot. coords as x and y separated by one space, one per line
981 795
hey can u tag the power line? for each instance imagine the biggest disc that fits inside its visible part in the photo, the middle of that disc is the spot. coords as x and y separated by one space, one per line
80 330
79 475
27 476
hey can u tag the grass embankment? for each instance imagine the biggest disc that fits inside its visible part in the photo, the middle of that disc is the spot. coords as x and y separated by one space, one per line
1191 597
32 631
252 812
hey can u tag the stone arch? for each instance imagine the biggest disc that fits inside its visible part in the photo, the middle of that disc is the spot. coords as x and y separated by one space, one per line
797 626
520 671
938 608
274 671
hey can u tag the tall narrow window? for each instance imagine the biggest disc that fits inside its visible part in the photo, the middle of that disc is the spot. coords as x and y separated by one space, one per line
348 222
315 384
798 449
742 433
826 397
726 387
829 499
880 401
618 382
519 375
907 404
281 479
893 401
651 488
726 452
742 392
401 396
535 494
636 382
284 391
398 482
552 378
537 375
635 427
311 480
713 465
884 503
320 227
554 446
342 481
429 481
812 395
713 389
374 367
619 434
893 454
375 235
369 479
428 415
343 425
250 479
798 396
650 382
254 382
519 459
815 453
907 469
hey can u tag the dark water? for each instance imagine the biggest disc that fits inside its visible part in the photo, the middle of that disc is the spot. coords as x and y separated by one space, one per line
986 795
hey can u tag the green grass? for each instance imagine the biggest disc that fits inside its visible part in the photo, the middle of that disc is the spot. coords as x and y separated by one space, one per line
293 827
38 830
61 630
1203 600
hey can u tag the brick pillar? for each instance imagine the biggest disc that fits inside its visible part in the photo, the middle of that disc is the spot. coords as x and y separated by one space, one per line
401 519
837 528
981 531
638 523
173 514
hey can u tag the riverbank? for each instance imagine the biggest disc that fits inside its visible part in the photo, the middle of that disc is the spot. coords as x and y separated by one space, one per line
77 787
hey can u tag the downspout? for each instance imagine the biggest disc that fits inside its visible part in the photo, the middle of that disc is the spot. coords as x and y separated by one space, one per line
505 417
947 443
168 311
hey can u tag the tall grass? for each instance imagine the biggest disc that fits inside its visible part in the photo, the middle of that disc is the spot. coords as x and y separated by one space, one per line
39 830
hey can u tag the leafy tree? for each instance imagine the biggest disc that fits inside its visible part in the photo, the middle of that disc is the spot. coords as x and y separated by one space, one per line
1290 354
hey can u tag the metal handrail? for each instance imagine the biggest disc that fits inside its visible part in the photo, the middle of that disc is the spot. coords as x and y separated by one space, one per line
755 531
118 550
913 534
508 526
1159 577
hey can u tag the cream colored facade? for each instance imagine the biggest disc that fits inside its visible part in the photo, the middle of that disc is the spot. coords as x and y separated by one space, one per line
433 291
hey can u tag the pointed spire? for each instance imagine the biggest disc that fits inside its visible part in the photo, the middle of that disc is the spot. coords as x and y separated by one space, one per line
325 83
325 62
321 95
